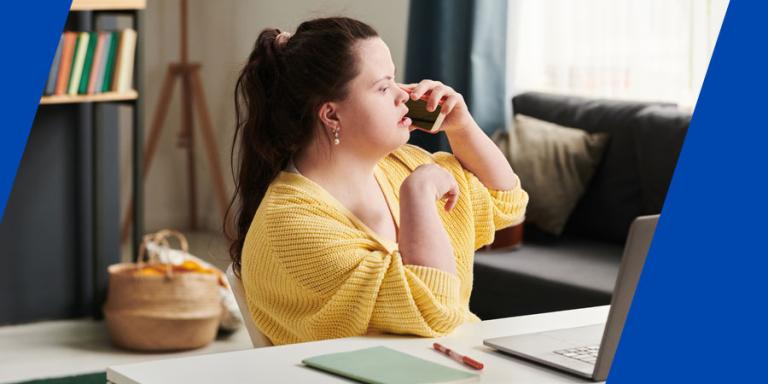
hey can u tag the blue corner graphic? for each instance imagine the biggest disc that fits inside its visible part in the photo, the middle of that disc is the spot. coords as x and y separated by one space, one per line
31 31
699 313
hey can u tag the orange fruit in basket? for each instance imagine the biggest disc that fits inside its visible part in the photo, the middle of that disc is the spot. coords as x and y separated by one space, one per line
149 271
188 266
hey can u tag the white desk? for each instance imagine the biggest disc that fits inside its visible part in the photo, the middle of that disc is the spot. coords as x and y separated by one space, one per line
283 363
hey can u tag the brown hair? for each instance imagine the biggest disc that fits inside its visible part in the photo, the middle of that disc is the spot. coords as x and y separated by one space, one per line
277 96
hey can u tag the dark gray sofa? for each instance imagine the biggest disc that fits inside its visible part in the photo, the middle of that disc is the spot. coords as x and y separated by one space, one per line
578 269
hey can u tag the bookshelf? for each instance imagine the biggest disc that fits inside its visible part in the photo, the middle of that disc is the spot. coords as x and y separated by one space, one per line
101 6
97 161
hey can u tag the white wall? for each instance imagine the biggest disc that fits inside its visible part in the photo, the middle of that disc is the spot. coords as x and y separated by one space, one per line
221 35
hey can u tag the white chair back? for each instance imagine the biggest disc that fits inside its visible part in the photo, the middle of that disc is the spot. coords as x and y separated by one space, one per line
257 338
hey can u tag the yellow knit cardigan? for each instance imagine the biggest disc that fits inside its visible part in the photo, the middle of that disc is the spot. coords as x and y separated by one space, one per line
312 270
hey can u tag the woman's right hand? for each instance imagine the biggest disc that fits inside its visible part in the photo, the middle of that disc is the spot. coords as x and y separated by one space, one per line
432 180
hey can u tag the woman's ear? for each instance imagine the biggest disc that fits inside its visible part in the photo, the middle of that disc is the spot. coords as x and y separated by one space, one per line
329 115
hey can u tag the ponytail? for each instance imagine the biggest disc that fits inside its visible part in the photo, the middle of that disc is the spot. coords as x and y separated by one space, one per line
277 94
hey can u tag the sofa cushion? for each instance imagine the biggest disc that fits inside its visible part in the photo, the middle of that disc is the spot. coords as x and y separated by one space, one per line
554 163
575 272
632 180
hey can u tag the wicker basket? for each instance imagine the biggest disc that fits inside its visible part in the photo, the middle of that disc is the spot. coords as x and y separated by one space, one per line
173 311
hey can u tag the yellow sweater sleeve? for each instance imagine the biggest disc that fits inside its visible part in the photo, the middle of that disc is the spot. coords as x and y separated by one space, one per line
491 209
327 282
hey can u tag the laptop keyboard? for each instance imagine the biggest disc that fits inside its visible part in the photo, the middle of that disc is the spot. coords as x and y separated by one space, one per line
586 354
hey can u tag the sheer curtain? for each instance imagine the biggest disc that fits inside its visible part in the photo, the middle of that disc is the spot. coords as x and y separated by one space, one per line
627 49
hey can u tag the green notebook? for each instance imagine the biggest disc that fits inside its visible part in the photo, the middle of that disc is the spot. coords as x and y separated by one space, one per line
385 365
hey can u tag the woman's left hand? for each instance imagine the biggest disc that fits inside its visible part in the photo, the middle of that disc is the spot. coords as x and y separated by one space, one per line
453 105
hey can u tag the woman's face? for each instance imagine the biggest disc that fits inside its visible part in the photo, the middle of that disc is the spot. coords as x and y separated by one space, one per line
370 118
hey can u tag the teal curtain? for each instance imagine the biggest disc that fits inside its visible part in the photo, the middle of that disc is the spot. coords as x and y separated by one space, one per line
462 44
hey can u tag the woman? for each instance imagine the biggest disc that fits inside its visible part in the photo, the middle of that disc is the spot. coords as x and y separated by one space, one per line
341 228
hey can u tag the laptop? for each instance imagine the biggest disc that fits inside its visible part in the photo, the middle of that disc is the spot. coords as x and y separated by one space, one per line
588 351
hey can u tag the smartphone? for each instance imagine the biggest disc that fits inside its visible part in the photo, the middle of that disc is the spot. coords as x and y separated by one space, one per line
423 119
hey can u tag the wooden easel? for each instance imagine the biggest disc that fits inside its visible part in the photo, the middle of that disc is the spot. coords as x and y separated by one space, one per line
191 91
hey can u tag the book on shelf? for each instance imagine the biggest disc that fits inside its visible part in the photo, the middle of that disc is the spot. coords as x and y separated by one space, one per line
107 80
65 65
89 63
124 67
81 49
97 63
50 85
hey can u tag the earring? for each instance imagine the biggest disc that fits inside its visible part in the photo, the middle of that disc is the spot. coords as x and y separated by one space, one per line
336 140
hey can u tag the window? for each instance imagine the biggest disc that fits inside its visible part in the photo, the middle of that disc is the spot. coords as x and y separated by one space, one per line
628 49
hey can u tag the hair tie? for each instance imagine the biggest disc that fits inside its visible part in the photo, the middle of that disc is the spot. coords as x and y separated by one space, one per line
282 38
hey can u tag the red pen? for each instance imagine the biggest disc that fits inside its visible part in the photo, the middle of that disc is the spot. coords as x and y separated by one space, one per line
458 357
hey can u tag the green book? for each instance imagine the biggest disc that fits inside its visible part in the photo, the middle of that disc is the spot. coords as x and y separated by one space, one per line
110 64
385 365
94 37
